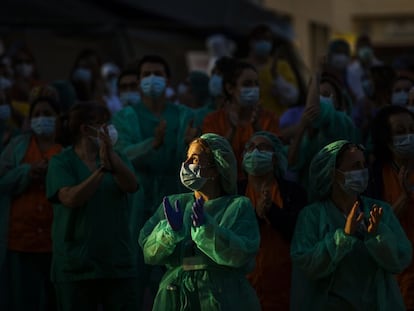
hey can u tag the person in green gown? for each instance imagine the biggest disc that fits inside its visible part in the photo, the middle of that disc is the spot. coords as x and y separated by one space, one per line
94 257
207 238
346 247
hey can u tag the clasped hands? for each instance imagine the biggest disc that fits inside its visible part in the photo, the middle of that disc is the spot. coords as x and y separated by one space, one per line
174 214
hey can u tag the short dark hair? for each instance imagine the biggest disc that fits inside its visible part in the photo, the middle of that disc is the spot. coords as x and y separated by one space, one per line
84 113
153 59
258 31
127 72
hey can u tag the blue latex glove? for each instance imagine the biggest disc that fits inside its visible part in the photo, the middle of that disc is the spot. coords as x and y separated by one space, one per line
173 215
198 213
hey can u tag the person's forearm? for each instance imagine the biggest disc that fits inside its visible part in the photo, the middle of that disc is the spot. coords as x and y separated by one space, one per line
78 195
123 176
313 92
294 147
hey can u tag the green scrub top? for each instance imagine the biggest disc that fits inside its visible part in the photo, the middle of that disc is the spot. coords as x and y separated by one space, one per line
206 266
94 240
331 125
157 170
336 271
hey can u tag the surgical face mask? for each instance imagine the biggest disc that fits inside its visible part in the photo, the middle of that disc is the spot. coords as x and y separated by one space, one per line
356 182
325 100
130 98
399 98
368 88
82 75
365 53
249 96
153 86
43 125
5 83
191 178
182 89
404 144
5 112
112 133
262 47
24 69
215 85
258 163
340 61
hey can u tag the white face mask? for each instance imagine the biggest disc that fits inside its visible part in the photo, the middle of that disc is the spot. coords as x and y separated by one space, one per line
404 144
399 98
340 61
191 178
249 96
43 125
130 98
5 83
356 182
112 133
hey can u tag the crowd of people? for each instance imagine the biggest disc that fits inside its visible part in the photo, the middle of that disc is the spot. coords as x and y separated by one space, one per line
244 188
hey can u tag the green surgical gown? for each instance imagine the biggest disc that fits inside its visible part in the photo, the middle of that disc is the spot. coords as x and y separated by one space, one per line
336 271
94 240
222 250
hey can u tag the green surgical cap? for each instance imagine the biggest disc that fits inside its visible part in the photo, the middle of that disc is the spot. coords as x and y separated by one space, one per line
225 160
279 149
321 171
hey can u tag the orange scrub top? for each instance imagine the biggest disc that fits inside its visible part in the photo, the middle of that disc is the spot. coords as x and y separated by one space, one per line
31 213
271 277
218 122
392 191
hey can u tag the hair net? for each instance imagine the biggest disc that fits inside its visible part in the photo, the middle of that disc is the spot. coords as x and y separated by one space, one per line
321 170
225 160
279 149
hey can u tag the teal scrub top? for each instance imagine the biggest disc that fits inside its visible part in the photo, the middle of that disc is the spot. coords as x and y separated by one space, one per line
94 240
206 266
331 125
336 271
157 169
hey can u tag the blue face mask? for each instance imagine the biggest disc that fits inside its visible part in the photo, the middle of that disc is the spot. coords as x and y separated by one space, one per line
404 144
249 96
262 47
5 112
82 75
399 98
130 98
340 61
365 54
356 182
191 178
258 163
215 85
43 125
153 86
